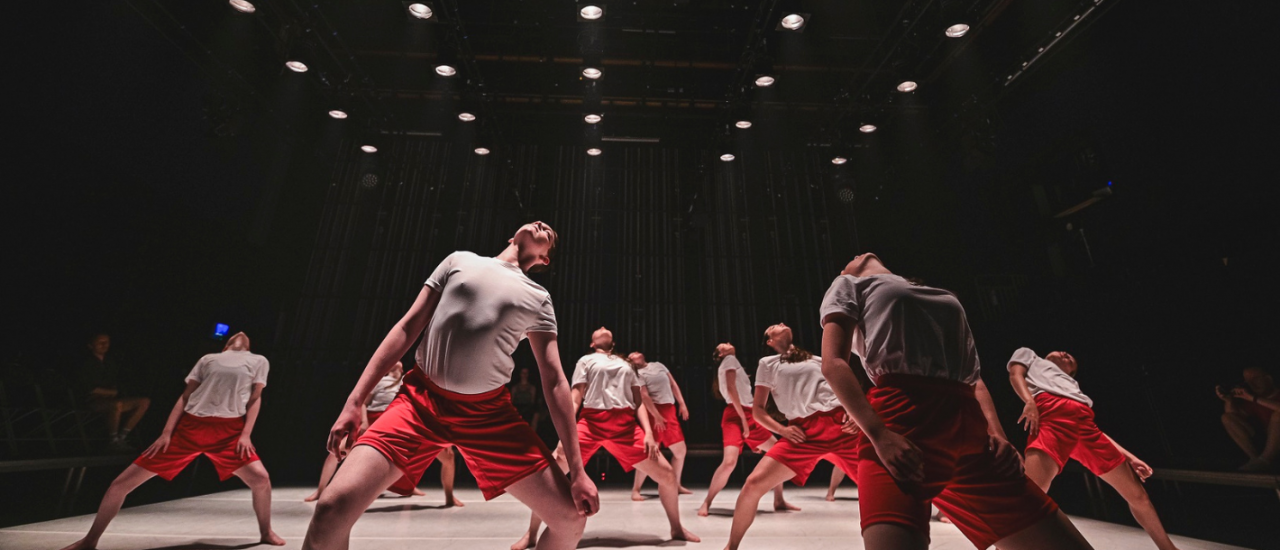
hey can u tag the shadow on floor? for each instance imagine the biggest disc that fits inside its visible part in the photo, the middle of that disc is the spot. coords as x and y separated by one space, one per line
618 539
406 508
207 546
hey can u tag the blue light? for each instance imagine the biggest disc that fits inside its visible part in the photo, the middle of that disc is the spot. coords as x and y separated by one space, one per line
220 330
1108 184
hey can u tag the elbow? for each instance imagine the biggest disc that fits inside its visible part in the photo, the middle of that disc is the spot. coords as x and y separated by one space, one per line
758 413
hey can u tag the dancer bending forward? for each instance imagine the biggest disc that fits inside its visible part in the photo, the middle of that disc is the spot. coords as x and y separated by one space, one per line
214 417
1059 421
660 395
817 426
614 417
738 427
472 313
931 429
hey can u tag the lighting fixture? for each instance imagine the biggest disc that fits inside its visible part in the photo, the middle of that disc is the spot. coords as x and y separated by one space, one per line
867 128
482 151
594 152
591 13
744 124
839 160
592 73
466 117
421 11
957 30
243 6
445 70
592 119
764 81
726 157
368 148
793 22
296 66
907 86
338 114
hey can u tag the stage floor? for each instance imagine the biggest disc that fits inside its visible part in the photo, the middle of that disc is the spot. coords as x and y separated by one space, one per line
225 521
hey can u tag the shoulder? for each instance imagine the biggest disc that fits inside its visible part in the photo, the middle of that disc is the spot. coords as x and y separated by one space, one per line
769 361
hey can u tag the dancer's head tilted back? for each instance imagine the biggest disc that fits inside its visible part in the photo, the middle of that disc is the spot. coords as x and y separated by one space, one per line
637 359
602 340
535 245
865 264
780 339
1064 361
237 342
724 350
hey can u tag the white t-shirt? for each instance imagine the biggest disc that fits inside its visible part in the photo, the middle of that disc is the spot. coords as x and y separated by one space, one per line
657 381
487 306
799 389
905 329
730 363
226 381
1044 376
609 379
384 393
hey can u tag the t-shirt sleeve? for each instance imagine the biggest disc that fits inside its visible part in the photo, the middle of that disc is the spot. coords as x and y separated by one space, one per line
197 372
841 298
765 374
661 368
440 276
579 373
545 321
1024 356
634 379
260 373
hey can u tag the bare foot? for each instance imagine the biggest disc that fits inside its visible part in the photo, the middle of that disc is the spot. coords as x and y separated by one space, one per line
785 506
637 497
944 519
529 540
418 492
685 491
684 534
82 544
450 502
704 510
831 497
270 537
312 497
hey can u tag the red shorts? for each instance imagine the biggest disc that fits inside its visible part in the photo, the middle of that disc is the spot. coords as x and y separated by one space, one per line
614 429
823 440
374 415
672 433
210 436
731 430
943 419
1067 431
497 445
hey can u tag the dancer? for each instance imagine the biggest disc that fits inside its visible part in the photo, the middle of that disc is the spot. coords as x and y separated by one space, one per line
1250 414
661 394
472 313
1059 421
214 417
837 476
817 427
737 427
931 431
608 391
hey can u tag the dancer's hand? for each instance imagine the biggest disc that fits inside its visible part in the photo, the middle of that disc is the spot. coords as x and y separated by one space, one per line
1140 468
658 422
746 431
684 412
339 436
244 447
1008 461
1030 419
650 446
161 445
850 427
793 434
901 457
585 497
1243 394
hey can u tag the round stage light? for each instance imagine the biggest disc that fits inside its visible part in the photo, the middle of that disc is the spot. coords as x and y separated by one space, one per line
445 70
907 86
592 119
296 66
744 124
243 6
481 151
867 128
466 117
338 114
421 11
592 73
591 12
764 81
839 160
726 157
957 30
792 22
368 148
845 195
594 152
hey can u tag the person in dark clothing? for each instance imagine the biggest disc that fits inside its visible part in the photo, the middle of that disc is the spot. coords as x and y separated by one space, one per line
98 385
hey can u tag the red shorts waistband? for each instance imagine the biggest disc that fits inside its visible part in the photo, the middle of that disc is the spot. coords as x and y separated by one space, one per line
417 376
619 410
837 413
910 382
211 419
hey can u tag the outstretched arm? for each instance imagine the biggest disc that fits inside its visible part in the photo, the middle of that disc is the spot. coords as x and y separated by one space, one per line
654 417
1007 458
1139 467
162 443
760 412
675 388
245 446
562 404
1030 418
731 381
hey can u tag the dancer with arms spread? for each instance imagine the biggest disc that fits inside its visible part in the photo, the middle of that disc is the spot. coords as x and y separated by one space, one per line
931 430
472 313
661 394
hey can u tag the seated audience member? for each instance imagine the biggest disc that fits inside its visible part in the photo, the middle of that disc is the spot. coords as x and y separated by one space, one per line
1250 417
98 385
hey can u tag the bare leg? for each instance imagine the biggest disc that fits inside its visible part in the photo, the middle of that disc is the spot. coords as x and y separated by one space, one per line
137 407
669 493
254 474
1127 484
891 536
720 478
780 503
125 483
530 538
364 475
635 486
837 475
1241 432
1040 468
1052 533
326 473
768 473
1271 451
547 494
113 410
678 452
448 469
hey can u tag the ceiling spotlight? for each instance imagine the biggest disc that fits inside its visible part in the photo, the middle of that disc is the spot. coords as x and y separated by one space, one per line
839 160
592 119
243 6
726 157
592 73
421 11
957 30
594 152
445 70
764 81
867 128
744 124
792 22
466 117
481 151
907 86
591 13
368 148
296 66
338 114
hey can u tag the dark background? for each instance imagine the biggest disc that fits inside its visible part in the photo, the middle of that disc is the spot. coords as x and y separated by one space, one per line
166 175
